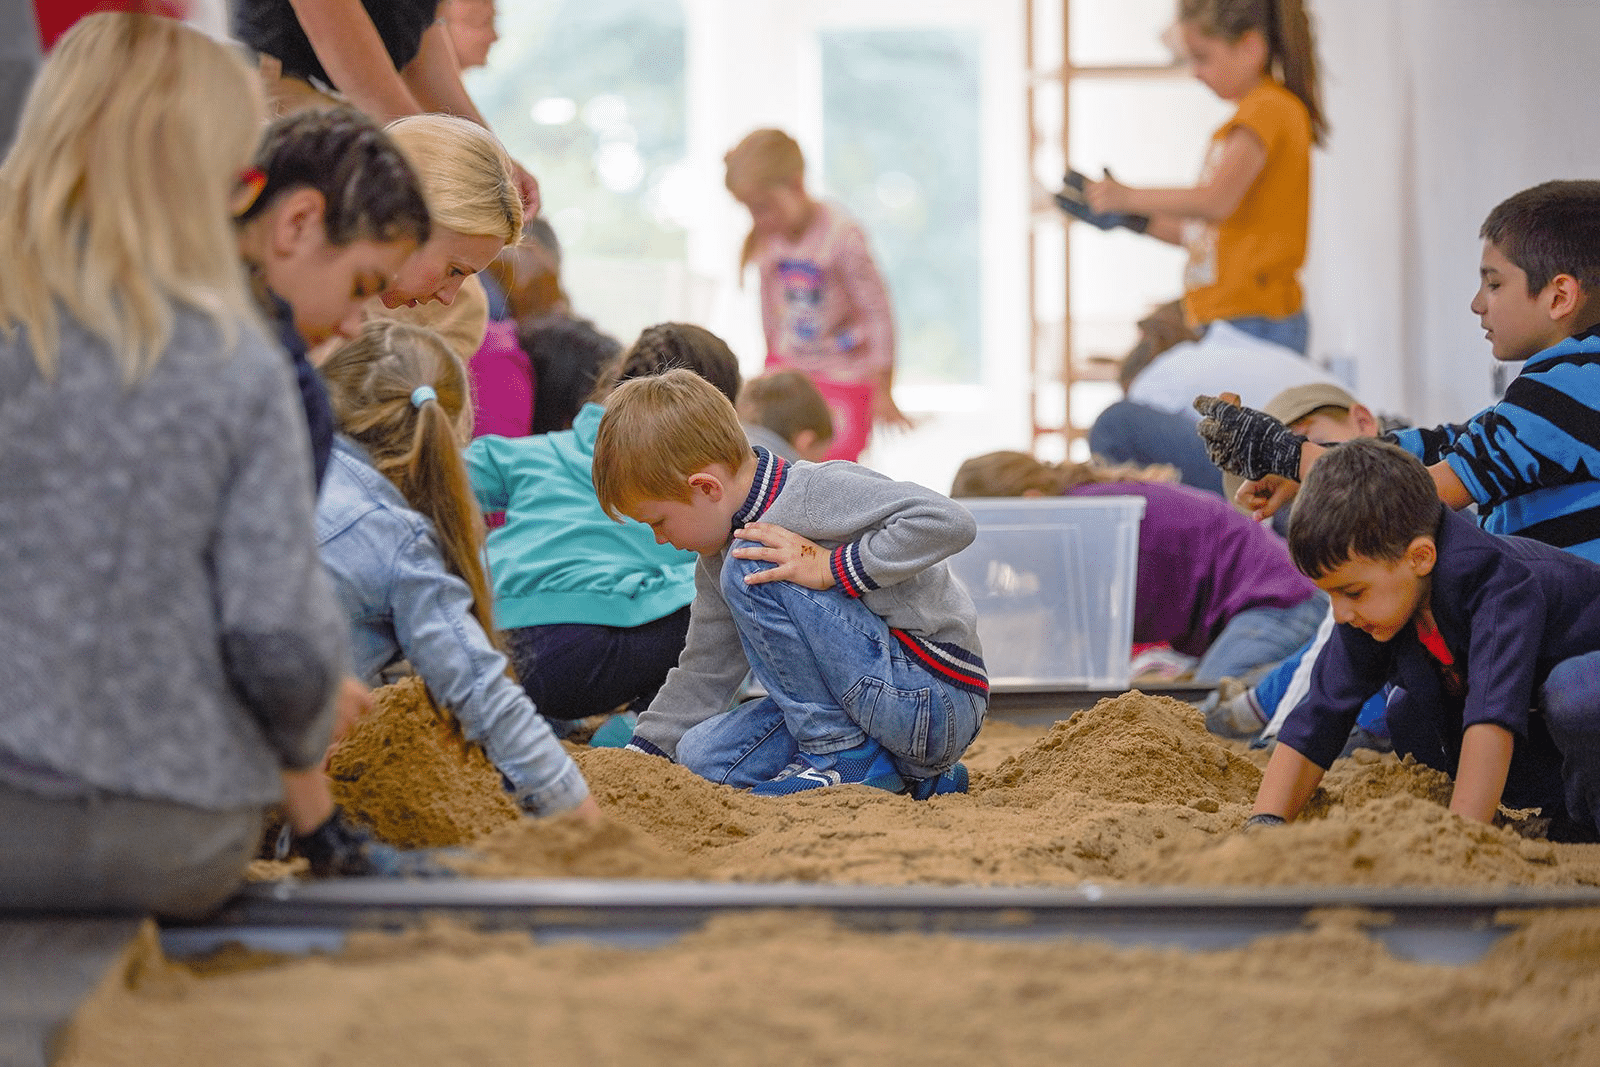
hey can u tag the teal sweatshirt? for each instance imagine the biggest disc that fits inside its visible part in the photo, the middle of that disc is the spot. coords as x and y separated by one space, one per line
559 558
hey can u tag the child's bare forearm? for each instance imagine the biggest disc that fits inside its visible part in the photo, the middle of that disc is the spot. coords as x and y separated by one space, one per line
1481 775
1288 783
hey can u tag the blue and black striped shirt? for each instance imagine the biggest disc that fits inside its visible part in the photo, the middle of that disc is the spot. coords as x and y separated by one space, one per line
1532 460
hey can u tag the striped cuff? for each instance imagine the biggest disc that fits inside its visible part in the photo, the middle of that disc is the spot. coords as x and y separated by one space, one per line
848 571
640 744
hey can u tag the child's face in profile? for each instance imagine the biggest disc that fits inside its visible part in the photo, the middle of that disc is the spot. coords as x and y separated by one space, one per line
1229 69
698 524
327 285
1379 596
1516 323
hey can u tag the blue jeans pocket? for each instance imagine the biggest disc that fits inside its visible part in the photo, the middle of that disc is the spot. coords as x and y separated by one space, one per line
899 719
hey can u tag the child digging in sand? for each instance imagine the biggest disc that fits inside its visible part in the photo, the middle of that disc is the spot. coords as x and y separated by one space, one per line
833 580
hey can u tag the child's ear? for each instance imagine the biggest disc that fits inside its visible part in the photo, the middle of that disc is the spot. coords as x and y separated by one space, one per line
1421 554
707 483
298 220
1565 295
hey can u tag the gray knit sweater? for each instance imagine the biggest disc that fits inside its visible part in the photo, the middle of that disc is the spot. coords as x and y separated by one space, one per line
168 629
889 541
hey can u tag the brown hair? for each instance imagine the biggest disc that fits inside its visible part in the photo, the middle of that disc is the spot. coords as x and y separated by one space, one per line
1291 45
671 345
656 432
763 160
1008 473
1366 498
786 402
416 444
1550 229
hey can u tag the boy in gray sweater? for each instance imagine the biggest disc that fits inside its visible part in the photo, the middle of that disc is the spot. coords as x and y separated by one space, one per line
832 579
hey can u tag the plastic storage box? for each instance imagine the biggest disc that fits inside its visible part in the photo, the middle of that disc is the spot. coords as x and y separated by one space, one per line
1053 580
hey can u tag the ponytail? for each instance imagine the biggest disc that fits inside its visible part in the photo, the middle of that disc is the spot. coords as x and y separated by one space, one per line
1291 46
402 393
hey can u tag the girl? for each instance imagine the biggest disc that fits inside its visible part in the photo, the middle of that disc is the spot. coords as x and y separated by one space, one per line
823 304
331 213
1245 223
1211 582
400 535
164 661
596 611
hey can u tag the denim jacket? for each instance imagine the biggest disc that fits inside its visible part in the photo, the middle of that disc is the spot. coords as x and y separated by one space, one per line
403 602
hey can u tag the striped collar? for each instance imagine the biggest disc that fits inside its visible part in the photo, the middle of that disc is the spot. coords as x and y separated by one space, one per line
771 472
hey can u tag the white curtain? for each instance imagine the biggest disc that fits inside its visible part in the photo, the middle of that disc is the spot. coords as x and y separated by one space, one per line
1440 110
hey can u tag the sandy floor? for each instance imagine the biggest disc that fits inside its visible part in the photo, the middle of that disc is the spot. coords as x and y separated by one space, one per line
1131 792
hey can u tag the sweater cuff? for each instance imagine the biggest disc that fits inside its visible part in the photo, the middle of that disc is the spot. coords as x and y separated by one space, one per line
649 748
845 562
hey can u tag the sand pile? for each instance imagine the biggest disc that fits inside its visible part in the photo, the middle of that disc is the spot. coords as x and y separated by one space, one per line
1131 791
772 988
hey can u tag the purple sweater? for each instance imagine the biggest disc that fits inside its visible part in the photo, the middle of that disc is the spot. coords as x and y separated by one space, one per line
1201 562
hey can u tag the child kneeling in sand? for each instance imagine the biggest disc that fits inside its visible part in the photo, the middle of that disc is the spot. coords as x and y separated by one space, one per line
833 580
1492 645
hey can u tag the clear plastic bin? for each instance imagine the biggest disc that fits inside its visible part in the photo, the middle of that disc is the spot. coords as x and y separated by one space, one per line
1053 581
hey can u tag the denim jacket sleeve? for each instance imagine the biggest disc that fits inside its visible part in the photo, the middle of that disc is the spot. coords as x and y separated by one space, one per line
465 673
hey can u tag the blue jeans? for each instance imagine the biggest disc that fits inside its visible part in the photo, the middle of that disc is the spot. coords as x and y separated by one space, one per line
834 676
1571 699
574 670
1291 331
1131 432
1260 637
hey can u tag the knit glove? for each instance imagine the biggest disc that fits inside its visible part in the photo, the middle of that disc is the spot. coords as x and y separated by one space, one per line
340 849
1247 443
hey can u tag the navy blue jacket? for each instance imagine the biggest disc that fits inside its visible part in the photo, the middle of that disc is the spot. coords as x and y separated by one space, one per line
1509 609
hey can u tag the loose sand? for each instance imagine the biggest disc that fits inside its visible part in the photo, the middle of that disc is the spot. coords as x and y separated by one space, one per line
1131 792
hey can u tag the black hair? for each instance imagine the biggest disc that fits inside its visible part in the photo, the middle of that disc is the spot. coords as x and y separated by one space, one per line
568 357
1365 498
369 191
1550 229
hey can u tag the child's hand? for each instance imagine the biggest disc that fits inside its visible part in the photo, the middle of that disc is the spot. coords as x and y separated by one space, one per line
798 560
1107 195
1245 442
1266 496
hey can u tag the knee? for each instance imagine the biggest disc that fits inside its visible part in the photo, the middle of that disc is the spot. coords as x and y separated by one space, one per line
1572 690
1109 432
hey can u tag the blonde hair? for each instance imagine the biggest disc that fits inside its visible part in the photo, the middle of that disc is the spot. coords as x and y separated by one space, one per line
1017 473
656 432
416 445
114 200
466 174
763 160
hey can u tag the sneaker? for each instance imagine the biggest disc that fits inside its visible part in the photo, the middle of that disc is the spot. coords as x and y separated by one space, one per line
340 849
952 779
1234 715
615 732
867 764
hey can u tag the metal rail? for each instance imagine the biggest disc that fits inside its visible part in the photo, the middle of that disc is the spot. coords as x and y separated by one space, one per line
1432 925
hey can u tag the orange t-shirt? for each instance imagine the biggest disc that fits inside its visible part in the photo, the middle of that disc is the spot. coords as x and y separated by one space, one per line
1247 263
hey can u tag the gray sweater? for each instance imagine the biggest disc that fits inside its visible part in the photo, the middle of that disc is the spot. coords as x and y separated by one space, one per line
169 631
888 540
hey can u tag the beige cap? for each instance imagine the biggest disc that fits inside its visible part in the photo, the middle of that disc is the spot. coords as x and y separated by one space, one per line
1298 401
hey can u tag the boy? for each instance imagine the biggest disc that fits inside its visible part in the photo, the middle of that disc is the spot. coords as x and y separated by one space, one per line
1526 461
1490 644
784 412
832 579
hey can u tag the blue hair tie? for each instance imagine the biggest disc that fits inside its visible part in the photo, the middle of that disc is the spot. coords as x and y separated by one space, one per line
421 394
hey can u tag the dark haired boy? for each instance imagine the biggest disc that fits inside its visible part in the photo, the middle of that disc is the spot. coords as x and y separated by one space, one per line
1492 645
1529 462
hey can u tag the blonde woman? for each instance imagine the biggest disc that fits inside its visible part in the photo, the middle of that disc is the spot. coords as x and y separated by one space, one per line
171 639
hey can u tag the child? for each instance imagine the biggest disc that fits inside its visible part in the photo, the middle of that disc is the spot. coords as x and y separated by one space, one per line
784 413
595 613
823 304
333 212
1211 583
833 580
171 641
1528 461
1491 644
399 534
1245 223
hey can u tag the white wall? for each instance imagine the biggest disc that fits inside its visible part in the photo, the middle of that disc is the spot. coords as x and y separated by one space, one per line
1440 109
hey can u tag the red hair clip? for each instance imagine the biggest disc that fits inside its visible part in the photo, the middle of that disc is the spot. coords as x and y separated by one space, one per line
251 182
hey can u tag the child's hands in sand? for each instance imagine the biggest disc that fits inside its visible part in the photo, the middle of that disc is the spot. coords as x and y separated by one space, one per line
795 559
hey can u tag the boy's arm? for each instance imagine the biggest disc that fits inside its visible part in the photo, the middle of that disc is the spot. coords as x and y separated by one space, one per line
1287 784
886 531
1481 774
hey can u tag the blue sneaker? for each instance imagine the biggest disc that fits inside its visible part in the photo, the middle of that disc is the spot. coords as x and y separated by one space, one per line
952 779
867 764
